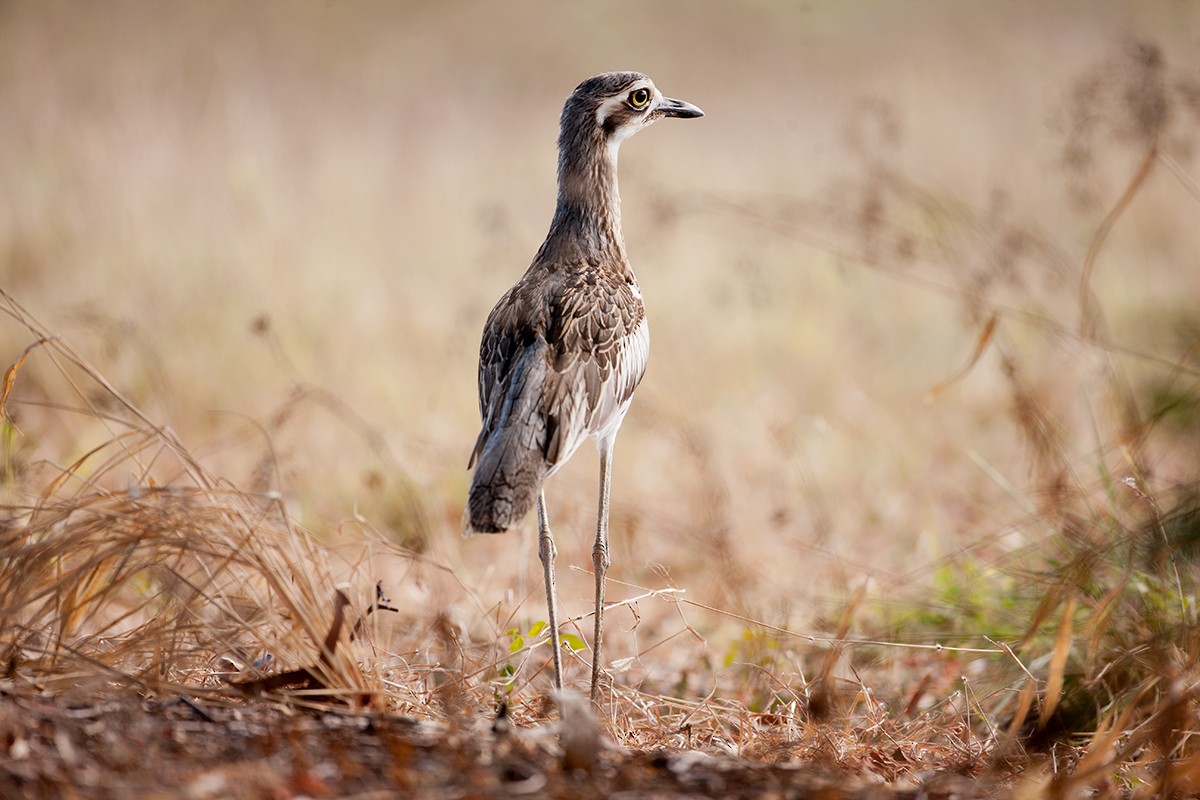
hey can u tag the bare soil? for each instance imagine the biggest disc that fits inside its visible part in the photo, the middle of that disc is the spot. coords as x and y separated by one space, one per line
119 744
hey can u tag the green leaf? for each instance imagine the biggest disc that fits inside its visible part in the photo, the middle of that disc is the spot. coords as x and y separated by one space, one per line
730 656
574 642
517 643
537 628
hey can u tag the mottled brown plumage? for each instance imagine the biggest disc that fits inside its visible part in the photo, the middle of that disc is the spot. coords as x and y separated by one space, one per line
564 349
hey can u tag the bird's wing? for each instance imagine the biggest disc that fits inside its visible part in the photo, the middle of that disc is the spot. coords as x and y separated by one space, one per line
505 336
599 343
596 348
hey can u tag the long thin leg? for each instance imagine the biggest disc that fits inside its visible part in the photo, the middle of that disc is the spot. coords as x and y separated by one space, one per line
600 561
547 551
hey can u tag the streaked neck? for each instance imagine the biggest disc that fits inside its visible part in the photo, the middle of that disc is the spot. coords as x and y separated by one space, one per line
587 219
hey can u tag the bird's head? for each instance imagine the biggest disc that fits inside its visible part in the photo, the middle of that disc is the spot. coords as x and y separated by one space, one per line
613 106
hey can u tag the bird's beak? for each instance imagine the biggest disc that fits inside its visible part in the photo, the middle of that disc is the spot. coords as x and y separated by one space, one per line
670 107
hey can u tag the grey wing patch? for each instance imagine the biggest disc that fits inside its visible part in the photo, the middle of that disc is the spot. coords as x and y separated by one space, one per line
489 387
511 465
516 412
498 350
487 390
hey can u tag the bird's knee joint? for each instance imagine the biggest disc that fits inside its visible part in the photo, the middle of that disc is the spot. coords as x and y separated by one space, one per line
546 549
600 557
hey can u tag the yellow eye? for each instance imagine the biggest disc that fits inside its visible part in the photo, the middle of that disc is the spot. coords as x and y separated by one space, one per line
638 98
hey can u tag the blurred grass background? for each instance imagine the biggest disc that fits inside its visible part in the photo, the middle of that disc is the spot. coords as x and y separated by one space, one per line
285 222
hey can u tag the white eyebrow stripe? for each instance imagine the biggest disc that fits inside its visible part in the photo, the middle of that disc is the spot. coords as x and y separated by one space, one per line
605 109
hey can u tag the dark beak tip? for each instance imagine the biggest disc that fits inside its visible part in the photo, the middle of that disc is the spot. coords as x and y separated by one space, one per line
681 109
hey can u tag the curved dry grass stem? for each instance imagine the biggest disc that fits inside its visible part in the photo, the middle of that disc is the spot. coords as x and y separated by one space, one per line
1089 315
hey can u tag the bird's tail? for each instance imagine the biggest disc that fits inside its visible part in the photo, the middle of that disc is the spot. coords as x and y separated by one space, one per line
512 454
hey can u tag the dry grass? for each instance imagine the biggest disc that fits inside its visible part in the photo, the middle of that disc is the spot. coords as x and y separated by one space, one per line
134 561
938 515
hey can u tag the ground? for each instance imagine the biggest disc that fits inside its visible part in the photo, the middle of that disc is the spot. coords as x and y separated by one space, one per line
118 744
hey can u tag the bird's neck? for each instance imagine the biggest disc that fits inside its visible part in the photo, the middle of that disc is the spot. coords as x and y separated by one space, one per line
587 220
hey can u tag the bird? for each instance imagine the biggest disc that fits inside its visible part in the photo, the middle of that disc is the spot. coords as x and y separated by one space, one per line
563 350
